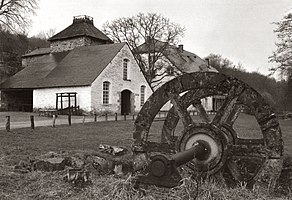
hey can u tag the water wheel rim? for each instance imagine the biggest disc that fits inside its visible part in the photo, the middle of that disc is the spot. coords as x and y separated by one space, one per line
217 82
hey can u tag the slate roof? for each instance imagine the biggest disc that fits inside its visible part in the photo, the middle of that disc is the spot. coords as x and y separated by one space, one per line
78 67
183 60
38 51
81 27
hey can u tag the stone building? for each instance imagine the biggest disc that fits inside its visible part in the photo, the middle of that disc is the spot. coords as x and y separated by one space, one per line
175 61
82 68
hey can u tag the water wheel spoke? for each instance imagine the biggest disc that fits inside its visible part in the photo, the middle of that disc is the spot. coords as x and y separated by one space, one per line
169 125
202 112
233 115
243 141
248 151
227 112
182 110
234 170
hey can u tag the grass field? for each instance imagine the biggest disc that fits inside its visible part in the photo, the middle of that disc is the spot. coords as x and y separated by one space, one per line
77 139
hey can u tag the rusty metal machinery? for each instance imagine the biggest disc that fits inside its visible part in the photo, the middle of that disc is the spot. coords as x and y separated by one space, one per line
212 147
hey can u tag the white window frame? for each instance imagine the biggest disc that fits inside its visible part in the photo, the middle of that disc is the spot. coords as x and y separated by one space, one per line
106 92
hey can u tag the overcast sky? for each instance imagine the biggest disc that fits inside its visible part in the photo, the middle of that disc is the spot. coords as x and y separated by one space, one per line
240 30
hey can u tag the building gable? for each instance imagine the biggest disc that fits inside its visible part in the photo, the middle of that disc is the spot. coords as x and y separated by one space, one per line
114 75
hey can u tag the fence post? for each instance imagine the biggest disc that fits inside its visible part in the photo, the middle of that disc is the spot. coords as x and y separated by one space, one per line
54 120
116 116
69 119
133 116
125 117
105 116
83 119
95 117
7 126
32 122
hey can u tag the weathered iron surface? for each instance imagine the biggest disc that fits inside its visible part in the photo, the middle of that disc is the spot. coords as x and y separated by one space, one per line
256 161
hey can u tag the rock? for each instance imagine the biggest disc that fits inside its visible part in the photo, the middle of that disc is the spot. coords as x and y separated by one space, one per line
114 150
24 166
118 169
77 162
101 165
118 150
52 164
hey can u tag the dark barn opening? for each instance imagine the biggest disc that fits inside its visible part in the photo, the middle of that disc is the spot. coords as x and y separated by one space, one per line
17 100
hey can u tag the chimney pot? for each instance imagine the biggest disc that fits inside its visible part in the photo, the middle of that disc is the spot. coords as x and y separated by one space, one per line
83 18
181 48
208 61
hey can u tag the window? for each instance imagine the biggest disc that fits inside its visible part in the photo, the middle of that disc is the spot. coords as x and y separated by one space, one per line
142 95
125 69
105 92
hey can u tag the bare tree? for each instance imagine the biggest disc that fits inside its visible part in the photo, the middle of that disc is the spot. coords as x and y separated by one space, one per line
46 34
154 29
14 14
283 53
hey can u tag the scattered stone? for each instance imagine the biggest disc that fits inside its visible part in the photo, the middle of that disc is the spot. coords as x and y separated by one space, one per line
77 162
114 150
53 164
119 170
24 166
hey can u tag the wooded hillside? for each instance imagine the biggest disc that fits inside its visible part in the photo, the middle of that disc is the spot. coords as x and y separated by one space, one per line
12 47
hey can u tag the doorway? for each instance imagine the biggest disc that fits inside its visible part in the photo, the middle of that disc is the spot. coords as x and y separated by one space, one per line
126 102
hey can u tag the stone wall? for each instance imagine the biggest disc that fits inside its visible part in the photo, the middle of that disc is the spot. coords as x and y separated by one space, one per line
69 44
114 74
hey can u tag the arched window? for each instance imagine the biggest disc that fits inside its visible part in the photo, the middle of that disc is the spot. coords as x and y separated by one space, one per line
105 92
125 69
142 95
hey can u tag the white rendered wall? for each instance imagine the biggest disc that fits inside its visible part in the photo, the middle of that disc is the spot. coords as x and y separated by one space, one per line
46 98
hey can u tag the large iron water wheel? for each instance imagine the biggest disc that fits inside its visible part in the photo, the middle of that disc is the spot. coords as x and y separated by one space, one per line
258 162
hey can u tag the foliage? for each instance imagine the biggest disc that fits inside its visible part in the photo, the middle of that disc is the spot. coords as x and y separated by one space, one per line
283 53
273 91
12 47
14 14
153 29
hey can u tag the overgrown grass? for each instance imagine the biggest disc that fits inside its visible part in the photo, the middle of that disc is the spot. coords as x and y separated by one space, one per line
85 139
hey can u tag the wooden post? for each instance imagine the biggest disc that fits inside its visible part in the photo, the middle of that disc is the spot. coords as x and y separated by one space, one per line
62 101
56 101
54 120
7 126
95 117
116 116
133 116
75 103
83 119
32 122
105 116
125 117
69 119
